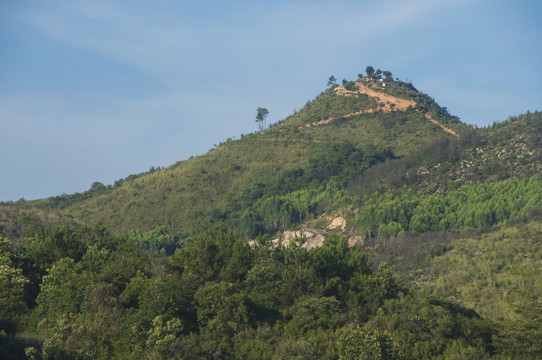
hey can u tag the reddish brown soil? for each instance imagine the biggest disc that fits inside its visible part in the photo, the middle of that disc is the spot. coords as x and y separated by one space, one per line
385 102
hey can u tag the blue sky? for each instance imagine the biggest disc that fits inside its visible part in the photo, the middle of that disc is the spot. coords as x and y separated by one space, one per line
98 90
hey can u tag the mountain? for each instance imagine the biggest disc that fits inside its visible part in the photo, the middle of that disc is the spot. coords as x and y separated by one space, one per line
342 133
374 135
370 224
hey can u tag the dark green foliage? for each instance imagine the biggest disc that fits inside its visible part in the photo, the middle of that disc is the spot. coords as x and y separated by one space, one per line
430 328
261 116
523 337
387 75
370 71
218 255
219 297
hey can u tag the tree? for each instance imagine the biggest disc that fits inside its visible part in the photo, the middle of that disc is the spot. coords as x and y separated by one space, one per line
62 290
387 75
12 284
221 309
331 81
367 343
370 72
162 336
261 117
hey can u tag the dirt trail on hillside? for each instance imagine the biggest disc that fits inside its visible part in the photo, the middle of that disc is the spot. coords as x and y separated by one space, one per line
386 99
448 130
386 103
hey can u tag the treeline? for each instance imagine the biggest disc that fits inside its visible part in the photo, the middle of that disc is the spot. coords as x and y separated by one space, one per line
97 188
480 205
84 294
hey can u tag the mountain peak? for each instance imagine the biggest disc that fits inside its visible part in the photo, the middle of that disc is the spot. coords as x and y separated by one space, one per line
384 101
337 137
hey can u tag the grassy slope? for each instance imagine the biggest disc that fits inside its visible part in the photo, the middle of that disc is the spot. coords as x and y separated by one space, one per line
492 273
16 217
193 194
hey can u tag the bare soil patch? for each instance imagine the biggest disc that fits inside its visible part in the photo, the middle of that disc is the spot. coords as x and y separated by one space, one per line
387 103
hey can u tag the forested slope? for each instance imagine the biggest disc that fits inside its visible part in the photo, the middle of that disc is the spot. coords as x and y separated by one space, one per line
184 262
88 295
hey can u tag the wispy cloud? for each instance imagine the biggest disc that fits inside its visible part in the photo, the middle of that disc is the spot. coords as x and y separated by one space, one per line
171 48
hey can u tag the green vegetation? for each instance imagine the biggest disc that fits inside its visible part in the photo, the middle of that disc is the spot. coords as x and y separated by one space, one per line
498 275
477 206
178 262
219 187
261 116
218 297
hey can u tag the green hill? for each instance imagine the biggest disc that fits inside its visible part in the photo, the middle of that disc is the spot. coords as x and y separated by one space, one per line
418 238
339 135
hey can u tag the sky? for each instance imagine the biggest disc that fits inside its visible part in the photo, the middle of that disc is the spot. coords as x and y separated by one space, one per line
98 90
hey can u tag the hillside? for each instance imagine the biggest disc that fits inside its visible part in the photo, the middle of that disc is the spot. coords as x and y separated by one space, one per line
340 134
370 224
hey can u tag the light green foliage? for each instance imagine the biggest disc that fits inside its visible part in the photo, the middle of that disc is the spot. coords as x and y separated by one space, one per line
367 344
158 240
491 271
12 284
282 211
162 336
498 274
480 206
